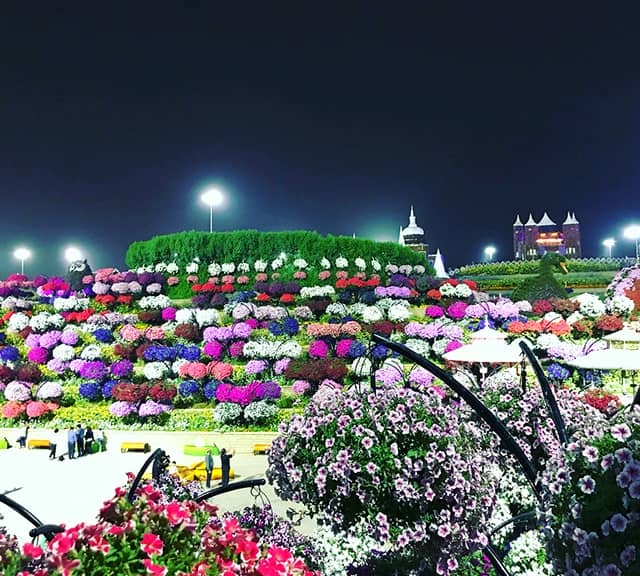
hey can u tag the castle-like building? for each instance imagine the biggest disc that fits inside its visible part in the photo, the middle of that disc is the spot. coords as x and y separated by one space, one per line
533 239
412 236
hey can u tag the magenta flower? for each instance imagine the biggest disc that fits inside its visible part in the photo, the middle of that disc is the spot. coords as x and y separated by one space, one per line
434 311
318 349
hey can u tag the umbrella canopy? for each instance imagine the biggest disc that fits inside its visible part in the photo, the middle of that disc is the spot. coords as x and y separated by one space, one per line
488 334
485 352
609 359
626 338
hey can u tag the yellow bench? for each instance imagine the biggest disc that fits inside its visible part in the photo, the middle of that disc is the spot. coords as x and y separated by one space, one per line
197 471
261 449
36 443
135 447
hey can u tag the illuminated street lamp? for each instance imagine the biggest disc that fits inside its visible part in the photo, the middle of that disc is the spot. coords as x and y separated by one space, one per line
212 197
489 252
22 254
609 243
633 233
72 254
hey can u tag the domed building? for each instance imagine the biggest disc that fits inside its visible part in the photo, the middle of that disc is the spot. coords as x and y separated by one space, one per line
412 236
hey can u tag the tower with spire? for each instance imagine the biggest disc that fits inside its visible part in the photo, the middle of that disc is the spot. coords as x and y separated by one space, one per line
533 239
412 235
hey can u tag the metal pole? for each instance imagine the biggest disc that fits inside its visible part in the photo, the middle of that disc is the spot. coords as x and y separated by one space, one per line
22 266
210 218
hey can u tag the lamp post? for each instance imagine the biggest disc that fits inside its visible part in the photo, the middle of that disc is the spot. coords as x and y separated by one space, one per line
609 243
212 197
22 254
489 252
633 233
72 254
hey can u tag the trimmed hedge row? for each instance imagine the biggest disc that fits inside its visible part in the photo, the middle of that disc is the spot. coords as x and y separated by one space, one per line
251 245
573 280
533 266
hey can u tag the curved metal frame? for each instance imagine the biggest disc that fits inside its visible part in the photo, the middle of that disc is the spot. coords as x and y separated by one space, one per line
229 488
156 455
40 529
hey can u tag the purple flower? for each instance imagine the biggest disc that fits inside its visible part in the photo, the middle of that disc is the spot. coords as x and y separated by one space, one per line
122 368
122 409
634 490
620 432
151 408
256 366
587 484
618 522
95 370
434 311
69 337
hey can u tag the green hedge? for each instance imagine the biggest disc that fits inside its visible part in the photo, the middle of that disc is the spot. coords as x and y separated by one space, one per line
573 280
532 266
251 245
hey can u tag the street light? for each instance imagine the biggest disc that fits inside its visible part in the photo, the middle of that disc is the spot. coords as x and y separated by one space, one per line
72 254
633 233
22 254
489 252
609 243
212 197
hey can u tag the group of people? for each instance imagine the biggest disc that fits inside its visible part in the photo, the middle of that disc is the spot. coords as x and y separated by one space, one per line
225 465
80 441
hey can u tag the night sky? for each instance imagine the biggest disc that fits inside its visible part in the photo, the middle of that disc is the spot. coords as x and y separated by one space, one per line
332 116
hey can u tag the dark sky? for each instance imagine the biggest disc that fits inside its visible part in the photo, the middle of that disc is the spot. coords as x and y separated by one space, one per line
333 116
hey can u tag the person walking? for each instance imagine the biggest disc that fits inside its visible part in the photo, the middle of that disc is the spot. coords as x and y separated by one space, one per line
88 440
80 440
22 440
53 443
225 463
71 443
208 465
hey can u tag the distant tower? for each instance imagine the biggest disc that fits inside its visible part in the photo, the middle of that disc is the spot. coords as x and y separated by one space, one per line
413 236
530 238
571 233
518 239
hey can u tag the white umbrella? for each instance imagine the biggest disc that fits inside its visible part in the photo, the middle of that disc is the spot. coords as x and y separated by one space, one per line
609 359
627 338
485 352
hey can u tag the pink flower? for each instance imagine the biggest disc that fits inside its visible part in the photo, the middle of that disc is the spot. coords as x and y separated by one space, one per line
261 277
151 544
242 280
63 542
154 569
318 349
168 314
299 275
32 551
98 544
176 514
324 275
192 279
213 349
154 333
173 280
343 347
220 370
130 333
197 370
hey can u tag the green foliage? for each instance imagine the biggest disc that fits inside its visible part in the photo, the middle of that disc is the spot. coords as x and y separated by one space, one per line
531 266
572 279
251 245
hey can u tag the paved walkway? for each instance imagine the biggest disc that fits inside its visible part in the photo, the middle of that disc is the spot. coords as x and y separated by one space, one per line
72 491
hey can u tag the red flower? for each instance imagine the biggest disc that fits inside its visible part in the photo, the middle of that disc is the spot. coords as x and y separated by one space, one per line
151 544
154 569
287 298
176 514
98 544
262 297
62 543
434 294
32 551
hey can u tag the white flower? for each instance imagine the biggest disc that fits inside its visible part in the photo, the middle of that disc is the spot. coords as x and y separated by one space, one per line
70 304
545 341
205 317
420 346
134 287
155 370
391 268
243 267
228 268
462 291
161 267
277 263
419 269
17 322
375 265
64 352
620 305
372 314
360 264
143 269
325 263
337 309
523 306
590 305
192 268
154 302
272 349
214 269
300 263
39 322
173 268
260 265
91 352
447 290
185 315
341 262
405 269
317 291
398 313
574 317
